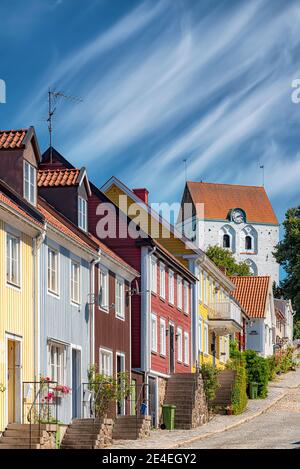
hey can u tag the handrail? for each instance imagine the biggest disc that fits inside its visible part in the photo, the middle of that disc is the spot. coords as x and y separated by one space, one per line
43 386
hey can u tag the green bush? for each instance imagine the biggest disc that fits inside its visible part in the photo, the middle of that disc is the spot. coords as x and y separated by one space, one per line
273 367
239 397
210 380
257 371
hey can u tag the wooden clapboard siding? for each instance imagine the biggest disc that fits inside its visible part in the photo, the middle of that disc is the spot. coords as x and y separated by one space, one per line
16 313
62 320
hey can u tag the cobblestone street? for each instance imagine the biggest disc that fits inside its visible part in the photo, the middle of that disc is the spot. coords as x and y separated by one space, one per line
278 428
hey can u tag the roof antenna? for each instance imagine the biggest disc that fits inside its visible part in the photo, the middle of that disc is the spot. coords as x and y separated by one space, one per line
52 99
185 168
262 167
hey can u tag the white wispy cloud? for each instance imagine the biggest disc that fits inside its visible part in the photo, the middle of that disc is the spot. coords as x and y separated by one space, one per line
173 80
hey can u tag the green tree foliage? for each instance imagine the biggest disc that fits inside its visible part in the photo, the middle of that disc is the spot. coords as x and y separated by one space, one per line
287 254
223 258
297 329
210 380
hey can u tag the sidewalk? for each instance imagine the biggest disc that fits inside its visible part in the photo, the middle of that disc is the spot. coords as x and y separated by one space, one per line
164 439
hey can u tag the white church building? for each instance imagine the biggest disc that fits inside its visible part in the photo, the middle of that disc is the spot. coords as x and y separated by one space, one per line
238 218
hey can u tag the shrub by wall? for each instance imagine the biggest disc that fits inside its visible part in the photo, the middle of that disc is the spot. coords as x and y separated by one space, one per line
257 371
210 380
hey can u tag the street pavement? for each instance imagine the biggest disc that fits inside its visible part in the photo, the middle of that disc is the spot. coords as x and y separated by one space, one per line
277 428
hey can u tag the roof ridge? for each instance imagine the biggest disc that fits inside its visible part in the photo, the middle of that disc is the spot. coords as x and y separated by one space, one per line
224 184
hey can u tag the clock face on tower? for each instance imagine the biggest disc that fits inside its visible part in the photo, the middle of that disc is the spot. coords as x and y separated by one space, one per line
238 216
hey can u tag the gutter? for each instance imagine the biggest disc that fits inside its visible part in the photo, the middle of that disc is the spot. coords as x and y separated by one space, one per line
93 263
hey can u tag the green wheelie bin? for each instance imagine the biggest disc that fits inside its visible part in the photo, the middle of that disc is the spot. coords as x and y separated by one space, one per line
169 416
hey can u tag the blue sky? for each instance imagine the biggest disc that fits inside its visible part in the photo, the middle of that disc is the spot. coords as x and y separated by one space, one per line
161 81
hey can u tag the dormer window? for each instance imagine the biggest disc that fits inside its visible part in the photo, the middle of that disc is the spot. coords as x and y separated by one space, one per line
29 183
82 213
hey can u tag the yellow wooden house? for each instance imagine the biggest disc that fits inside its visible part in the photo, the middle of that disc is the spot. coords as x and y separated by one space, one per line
216 315
21 230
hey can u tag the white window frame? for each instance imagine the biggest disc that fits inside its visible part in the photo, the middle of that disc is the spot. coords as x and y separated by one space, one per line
179 291
10 260
153 336
51 291
200 335
162 337
75 295
29 182
57 368
186 353
105 352
179 344
206 339
120 300
162 280
153 277
186 296
205 281
82 213
171 286
104 274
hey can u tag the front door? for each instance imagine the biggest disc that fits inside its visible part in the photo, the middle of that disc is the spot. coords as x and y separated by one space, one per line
172 348
76 380
120 369
152 400
13 381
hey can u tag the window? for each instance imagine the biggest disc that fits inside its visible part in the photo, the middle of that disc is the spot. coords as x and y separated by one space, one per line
103 289
12 259
153 275
205 289
56 362
179 344
52 271
248 243
29 183
162 280
186 298
120 298
179 292
162 331
171 287
153 333
186 348
206 339
75 282
200 336
82 213
226 241
200 289
106 362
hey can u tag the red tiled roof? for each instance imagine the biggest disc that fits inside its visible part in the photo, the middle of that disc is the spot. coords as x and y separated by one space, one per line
10 139
252 293
14 206
59 222
58 177
219 199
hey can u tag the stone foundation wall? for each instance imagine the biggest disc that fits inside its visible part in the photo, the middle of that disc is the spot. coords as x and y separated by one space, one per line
105 434
162 386
200 414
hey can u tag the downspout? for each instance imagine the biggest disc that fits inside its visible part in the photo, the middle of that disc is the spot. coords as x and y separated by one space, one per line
92 305
37 242
148 328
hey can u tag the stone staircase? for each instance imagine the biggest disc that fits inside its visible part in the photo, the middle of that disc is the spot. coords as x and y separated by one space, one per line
87 434
131 427
226 380
186 392
17 436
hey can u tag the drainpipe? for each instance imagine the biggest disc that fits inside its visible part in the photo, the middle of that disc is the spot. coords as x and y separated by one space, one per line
148 327
92 306
37 242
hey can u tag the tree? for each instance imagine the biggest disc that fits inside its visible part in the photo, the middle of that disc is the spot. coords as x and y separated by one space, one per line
287 254
224 259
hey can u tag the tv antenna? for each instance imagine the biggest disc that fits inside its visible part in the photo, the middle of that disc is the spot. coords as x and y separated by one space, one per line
53 96
262 167
185 160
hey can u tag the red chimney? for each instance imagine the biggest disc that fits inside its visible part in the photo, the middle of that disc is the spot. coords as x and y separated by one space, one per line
142 194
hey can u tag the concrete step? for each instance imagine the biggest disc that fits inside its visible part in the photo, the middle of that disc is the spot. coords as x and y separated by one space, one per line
19 446
77 446
24 426
16 433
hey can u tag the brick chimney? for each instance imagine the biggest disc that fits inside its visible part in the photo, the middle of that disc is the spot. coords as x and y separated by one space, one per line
142 194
